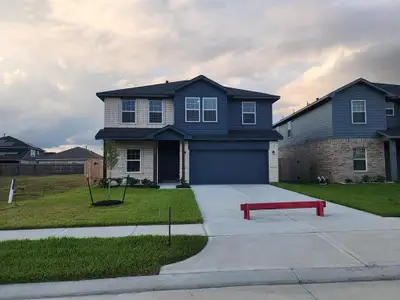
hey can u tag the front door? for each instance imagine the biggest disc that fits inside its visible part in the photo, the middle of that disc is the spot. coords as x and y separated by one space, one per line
168 161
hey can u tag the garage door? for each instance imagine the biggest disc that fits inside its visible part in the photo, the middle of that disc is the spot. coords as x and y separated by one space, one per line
229 167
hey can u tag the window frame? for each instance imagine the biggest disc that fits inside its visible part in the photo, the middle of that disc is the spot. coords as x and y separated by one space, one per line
140 160
162 111
254 113
352 112
289 130
392 108
210 109
122 111
365 159
186 109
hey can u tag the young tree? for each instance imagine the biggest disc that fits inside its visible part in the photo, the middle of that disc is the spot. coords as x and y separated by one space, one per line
111 157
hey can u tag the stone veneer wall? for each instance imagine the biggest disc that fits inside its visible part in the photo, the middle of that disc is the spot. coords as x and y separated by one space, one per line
332 159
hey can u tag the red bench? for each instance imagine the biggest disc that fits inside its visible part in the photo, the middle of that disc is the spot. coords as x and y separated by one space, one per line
247 207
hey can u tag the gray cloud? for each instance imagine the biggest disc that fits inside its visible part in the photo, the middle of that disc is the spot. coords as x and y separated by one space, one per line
58 54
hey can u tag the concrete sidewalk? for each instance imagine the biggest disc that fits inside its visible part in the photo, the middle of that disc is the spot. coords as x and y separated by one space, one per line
101 232
383 290
195 281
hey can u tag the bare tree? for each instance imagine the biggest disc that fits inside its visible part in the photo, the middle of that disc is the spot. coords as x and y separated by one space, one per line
111 157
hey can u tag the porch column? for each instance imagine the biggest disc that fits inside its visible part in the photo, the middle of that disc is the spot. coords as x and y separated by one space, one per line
393 159
183 159
104 160
155 162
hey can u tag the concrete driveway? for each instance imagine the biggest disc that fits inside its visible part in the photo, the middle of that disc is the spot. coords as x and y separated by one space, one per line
282 239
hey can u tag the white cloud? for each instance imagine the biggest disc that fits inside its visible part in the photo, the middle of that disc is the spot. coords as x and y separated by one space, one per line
10 78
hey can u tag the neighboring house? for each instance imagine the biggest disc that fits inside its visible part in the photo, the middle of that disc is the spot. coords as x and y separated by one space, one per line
194 129
13 150
351 132
75 155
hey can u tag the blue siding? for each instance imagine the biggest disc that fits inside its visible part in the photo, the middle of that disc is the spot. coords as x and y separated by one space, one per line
394 121
376 116
314 125
229 162
263 115
201 89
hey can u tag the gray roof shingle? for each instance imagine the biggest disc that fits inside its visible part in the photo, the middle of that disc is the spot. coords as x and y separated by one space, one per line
76 153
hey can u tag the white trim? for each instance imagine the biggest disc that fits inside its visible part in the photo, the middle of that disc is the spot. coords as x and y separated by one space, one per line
392 108
365 111
162 111
122 111
255 113
366 160
140 160
186 110
208 109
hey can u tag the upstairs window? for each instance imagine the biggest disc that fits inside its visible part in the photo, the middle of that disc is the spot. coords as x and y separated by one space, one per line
289 129
155 111
128 111
192 109
360 159
133 160
358 112
389 109
248 113
210 110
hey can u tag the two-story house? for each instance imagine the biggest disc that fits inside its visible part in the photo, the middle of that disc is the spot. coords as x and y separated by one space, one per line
13 150
194 129
351 132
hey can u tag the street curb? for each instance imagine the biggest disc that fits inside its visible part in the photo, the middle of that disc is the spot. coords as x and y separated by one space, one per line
196 281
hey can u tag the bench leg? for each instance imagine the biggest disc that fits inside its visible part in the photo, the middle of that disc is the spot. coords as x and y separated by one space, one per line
320 209
246 212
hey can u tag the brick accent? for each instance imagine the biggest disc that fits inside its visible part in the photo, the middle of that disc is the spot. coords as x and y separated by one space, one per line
113 114
332 159
186 160
146 157
273 162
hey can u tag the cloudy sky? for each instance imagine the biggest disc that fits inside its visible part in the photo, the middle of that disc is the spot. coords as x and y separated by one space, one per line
56 54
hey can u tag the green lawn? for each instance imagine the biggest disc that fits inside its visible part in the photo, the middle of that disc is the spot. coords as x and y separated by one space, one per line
73 209
379 199
30 187
77 259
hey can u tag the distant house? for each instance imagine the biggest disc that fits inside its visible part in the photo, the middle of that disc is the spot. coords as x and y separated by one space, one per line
13 150
351 132
75 155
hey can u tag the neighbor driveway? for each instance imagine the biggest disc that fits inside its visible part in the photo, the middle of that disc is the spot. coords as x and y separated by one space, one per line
281 239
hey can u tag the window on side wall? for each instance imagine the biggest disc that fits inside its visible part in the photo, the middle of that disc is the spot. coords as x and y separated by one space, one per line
289 129
133 160
360 159
155 111
128 111
389 109
210 108
33 153
358 112
192 109
248 113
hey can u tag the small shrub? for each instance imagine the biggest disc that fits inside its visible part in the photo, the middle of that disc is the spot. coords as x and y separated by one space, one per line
146 181
183 184
132 181
380 179
366 178
103 183
348 180
117 180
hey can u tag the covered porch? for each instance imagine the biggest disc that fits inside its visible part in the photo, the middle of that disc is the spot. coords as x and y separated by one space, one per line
392 152
158 154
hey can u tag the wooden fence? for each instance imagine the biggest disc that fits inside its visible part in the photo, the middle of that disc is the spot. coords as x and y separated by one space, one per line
39 169
94 170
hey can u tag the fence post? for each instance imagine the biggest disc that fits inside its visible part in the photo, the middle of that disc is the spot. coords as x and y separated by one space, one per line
11 194
169 226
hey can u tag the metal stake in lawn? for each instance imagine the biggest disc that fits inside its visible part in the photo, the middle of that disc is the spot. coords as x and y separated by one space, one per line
169 226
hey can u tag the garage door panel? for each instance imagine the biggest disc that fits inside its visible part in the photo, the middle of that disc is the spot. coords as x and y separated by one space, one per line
228 167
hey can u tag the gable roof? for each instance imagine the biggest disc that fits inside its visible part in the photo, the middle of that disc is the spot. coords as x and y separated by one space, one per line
379 87
171 128
77 153
164 90
12 142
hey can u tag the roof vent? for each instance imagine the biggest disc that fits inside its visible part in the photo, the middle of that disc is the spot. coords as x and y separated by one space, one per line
166 81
